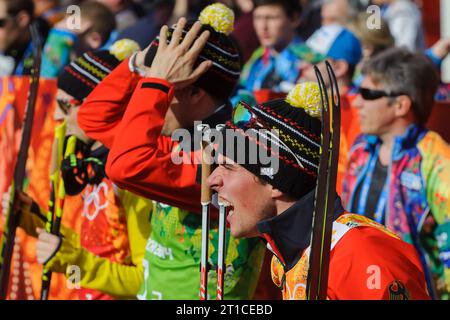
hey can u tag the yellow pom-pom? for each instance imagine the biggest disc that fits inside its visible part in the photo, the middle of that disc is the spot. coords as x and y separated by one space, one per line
124 48
306 95
218 16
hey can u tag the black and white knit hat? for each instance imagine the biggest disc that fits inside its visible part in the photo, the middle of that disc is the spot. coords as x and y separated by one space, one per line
296 121
223 76
82 75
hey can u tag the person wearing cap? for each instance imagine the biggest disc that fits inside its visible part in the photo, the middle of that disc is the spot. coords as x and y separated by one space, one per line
339 46
398 172
135 110
366 260
105 259
274 65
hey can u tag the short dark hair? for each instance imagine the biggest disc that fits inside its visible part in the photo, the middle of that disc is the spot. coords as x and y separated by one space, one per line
412 74
290 7
102 18
13 7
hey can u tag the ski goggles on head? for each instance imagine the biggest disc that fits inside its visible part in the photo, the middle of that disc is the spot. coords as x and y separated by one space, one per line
372 94
244 117
66 104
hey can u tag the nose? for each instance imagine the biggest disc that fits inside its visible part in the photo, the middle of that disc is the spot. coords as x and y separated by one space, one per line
215 180
58 115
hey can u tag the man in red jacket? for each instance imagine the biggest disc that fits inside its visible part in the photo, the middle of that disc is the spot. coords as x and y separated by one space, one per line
194 68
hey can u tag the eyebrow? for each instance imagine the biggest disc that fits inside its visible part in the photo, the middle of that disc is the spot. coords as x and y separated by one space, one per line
227 165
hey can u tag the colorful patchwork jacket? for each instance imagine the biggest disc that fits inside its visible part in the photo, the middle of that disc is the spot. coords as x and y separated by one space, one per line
366 260
415 201
265 70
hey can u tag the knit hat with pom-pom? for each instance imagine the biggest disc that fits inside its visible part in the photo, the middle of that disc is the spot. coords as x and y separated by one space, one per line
287 129
222 77
82 75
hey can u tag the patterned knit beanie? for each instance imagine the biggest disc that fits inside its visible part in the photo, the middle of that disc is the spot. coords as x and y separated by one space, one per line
223 76
296 124
82 75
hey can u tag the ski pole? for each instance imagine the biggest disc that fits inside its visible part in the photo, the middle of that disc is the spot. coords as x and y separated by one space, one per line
221 249
205 201
54 226
12 218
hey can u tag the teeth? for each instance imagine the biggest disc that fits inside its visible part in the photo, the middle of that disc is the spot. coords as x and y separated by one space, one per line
224 202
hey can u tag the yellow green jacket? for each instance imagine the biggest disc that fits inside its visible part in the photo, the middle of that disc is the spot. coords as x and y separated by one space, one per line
122 281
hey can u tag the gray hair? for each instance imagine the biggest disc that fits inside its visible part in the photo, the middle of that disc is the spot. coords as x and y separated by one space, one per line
412 74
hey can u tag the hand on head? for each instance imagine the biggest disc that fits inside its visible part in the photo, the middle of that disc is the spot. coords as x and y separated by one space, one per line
174 61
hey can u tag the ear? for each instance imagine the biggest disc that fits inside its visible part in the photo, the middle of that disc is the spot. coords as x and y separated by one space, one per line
94 40
196 94
340 68
23 19
403 107
276 194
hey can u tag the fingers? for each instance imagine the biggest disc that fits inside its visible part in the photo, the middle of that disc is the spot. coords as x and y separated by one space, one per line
198 45
177 33
163 38
201 69
190 36
24 198
46 245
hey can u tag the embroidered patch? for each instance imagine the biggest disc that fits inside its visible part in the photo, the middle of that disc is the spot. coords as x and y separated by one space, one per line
410 181
397 291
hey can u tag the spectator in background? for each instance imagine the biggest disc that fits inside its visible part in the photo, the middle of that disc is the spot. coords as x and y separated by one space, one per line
405 22
16 56
398 172
438 52
66 41
147 28
244 31
310 18
373 41
125 12
336 44
275 65
49 10
337 11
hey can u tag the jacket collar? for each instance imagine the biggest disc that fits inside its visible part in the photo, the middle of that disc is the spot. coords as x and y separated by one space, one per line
402 142
289 233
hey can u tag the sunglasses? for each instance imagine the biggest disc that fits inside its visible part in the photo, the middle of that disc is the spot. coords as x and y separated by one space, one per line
244 117
4 21
371 94
66 104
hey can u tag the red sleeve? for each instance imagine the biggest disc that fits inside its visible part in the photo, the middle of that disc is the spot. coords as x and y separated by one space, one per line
103 109
368 264
140 158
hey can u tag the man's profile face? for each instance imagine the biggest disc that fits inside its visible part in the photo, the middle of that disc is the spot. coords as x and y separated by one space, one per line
375 116
273 26
66 109
249 200
180 113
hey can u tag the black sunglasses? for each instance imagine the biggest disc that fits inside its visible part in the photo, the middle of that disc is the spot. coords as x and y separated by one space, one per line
66 104
3 21
371 94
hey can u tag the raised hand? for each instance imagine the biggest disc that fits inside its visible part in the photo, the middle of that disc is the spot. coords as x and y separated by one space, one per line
175 61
